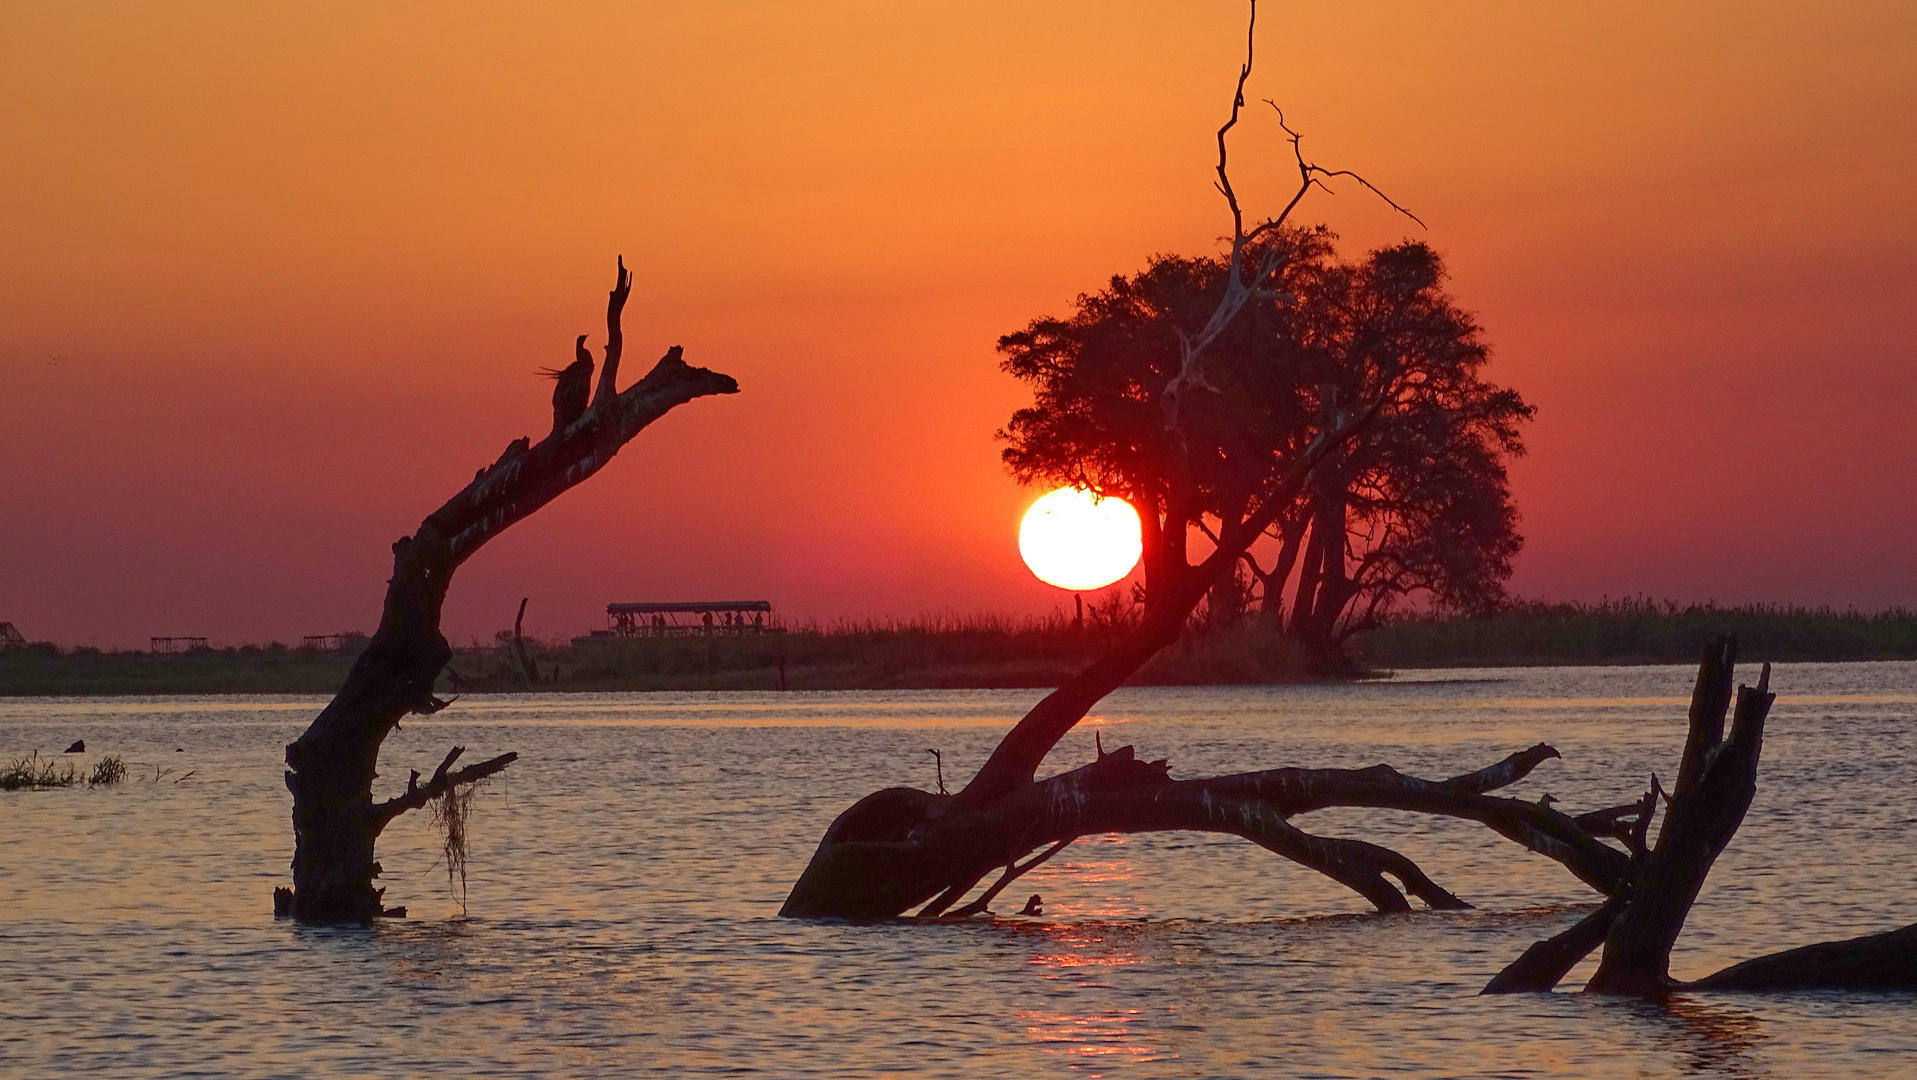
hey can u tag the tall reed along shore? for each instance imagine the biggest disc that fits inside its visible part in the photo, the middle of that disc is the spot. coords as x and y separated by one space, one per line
1640 631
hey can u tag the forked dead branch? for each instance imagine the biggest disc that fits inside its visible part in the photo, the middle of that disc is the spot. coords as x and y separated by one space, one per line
331 768
1638 925
901 848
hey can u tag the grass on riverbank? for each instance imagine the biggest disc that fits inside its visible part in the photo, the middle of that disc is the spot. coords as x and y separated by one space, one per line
1641 631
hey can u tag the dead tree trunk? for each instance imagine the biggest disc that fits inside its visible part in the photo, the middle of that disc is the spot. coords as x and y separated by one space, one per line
901 848
1639 924
331 768
1716 781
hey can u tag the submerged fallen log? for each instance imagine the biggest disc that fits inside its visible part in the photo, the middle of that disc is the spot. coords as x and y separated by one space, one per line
1639 924
1886 961
901 848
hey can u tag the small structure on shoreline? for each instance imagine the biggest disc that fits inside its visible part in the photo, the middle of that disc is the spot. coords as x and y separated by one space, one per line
176 646
331 643
698 618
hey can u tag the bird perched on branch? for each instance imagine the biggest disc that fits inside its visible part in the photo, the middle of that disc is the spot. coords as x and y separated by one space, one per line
574 390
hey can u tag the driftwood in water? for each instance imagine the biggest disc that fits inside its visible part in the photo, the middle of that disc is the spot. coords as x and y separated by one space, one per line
331 768
1886 961
1638 925
901 848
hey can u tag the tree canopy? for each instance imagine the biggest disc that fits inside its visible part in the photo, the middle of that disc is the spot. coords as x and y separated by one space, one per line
1416 503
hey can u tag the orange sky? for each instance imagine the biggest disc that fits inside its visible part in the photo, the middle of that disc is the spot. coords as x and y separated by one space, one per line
274 282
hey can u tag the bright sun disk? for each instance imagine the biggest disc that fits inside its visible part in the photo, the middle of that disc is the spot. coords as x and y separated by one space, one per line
1075 540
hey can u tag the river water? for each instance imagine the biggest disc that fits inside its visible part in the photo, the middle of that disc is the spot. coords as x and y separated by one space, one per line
625 875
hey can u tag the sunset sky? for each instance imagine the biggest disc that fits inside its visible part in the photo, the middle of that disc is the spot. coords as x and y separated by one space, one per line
275 279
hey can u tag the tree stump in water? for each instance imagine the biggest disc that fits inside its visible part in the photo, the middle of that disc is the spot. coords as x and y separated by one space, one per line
1639 924
331 768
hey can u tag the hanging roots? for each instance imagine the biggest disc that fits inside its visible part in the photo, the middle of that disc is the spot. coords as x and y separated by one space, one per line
450 812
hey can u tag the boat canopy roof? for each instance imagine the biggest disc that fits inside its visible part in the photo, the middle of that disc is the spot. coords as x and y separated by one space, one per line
694 607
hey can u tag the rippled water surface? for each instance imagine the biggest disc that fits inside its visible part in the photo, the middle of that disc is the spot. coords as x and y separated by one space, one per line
626 873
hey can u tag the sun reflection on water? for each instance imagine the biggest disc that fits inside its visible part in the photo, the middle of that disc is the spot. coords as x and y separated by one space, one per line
1092 1041
1083 956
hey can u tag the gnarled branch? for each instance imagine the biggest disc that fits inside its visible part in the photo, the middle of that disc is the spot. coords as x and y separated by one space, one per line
330 768
1717 778
441 783
901 847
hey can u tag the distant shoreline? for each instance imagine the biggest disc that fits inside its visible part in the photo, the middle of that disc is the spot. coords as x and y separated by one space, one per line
869 658
995 654
1638 632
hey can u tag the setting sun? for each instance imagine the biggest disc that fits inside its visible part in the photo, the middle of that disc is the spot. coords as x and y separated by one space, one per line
1076 540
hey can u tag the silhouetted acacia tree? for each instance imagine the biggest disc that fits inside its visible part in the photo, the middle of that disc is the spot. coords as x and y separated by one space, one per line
1099 381
1420 502
1415 503
1198 432
331 768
